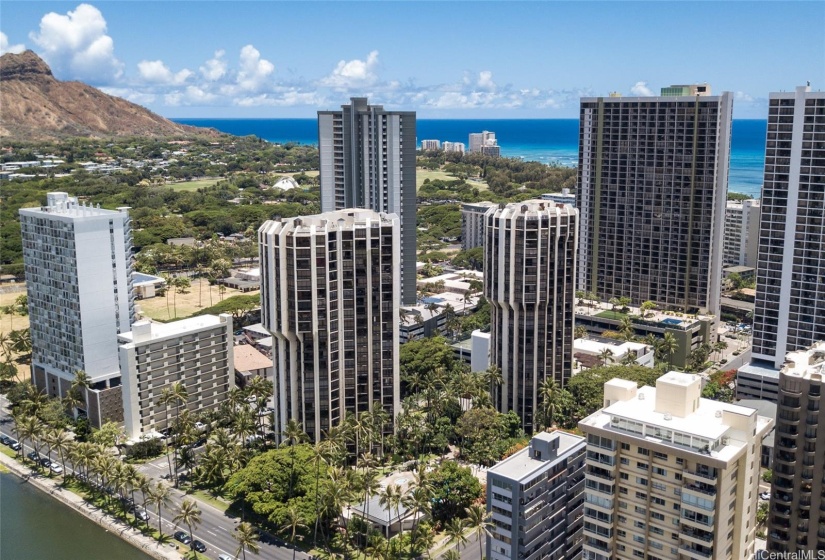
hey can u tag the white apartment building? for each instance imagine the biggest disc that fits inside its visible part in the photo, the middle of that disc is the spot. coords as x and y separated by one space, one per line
453 147
430 145
472 223
563 197
529 278
589 351
480 139
671 475
789 312
535 499
741 244
79 284
330 296
197 352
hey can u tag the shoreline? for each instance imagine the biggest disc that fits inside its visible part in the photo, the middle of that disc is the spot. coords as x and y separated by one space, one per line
126 533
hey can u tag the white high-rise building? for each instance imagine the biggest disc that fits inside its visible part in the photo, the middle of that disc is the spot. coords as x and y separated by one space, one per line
529 280
478 140
367 159
789 313
330 296
741 232
430 145
196 352
454 147
79 284
652 186
669 474
473 222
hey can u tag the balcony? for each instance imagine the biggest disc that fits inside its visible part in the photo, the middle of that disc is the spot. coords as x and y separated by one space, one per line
696 552
707 474
692 533
701 488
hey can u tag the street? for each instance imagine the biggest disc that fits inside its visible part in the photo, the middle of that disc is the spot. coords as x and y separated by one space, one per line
215 529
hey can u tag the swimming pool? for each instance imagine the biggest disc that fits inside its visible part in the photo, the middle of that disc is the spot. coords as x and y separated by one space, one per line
672 321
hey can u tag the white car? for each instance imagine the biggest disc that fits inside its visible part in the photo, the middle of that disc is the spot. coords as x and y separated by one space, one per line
56 468
225 557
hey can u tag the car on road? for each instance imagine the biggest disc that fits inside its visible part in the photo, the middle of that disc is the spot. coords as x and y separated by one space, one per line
45 462
5 440
764 495
198 546
225 557
34 456
56 468
183 536
15 445
139 513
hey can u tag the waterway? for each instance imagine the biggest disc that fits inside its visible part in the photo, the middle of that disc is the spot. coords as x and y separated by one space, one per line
34 526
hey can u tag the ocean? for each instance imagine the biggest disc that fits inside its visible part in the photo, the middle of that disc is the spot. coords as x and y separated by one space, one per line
543 140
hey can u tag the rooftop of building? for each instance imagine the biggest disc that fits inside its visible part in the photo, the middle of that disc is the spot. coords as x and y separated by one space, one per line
760 368
665 319
247 358
139 278
740 203
596 344
806 364
673 414
531 208
347 219
61 204
147 331
522 465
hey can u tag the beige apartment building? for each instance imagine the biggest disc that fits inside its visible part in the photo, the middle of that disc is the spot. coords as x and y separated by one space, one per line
670 475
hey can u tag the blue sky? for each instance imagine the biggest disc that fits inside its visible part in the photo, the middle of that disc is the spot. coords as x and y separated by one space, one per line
442 59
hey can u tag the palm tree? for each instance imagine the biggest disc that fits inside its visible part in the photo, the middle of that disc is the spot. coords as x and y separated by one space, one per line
32 429
61 442
494 379
451 554
80 386
455 531
319 455
549 394
668 346
606 356
580 332
293 434
294 521
390 498
478 519
159 496
173 395
247 539
626 328
190 514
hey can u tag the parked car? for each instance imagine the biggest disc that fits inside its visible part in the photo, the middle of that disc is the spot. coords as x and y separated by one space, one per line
56 468
34 456
139 513
764 495
46 462
15 445
5 440
198 546
225 557
183 536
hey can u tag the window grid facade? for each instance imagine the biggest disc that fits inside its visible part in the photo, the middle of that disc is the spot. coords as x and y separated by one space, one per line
330 296
652 182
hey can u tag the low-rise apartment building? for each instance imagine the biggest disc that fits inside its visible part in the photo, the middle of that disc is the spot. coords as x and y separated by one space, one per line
535 499
197 352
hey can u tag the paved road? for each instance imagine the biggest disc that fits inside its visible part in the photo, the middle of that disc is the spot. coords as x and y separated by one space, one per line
215 530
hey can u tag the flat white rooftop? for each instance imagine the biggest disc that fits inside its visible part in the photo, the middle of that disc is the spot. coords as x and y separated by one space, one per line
157 331
520 465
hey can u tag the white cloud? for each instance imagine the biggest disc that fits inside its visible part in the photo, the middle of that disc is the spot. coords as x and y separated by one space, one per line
214 68
6 48
640 89
76 45
742 96
155 71
485 80
139 97
353 73
192 95
283 98
254 70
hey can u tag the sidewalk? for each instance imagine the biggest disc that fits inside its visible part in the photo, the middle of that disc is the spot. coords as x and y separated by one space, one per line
132 536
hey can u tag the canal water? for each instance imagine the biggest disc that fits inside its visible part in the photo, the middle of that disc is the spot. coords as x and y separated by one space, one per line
35 526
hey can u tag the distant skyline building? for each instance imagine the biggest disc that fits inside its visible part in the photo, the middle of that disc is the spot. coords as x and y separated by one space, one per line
797 510
196 352
78 263
454 147
529 280
670 474
367 158
430 144
480 139
492 151
563 197
330 297
473 223
538 494
742 232
789 311
652 186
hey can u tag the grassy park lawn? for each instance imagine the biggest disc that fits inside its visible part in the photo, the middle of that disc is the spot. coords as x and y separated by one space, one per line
196 298
422 174
194 185
16 322
608 314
